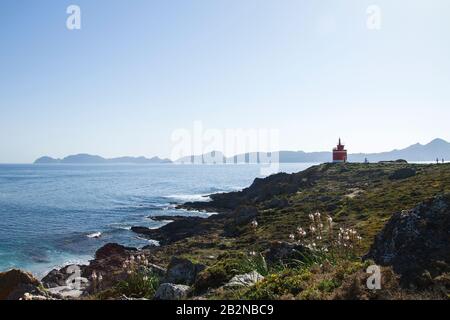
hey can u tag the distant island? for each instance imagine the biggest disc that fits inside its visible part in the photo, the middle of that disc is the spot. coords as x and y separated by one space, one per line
92 159
436 149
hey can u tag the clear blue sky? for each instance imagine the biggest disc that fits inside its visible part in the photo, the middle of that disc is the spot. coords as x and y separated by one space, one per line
140 69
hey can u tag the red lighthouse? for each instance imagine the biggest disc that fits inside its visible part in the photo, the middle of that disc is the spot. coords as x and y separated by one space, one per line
339 153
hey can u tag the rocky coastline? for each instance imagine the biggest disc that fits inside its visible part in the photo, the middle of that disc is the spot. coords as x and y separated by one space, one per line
237 253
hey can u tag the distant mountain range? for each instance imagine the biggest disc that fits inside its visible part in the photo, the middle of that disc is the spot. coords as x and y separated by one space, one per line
437 148
92 159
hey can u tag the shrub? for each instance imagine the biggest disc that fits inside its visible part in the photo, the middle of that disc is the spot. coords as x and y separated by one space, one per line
138 285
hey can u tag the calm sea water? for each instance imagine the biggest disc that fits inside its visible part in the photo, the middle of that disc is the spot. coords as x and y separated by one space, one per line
49 214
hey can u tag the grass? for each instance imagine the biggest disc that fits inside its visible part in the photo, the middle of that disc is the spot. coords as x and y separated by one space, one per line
138 285
317 275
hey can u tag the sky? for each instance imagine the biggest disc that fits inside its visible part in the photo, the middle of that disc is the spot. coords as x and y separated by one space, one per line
138 71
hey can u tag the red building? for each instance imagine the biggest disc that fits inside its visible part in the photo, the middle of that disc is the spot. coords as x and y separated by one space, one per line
339 153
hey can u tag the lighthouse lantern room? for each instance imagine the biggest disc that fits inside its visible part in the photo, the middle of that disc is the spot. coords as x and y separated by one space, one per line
339 153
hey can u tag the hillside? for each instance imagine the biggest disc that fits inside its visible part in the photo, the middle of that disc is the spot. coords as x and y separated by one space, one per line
268 241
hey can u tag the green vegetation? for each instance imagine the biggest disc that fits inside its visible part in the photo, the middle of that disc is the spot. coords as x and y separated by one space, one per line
138 285
355 202
227 266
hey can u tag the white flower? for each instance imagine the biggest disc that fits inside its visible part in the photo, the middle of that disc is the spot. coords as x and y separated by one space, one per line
311 217
100 277
27 296
254 224
292 237
94 275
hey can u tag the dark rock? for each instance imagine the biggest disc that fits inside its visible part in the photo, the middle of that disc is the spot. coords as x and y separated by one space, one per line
111 249
180 229
182 271
56 278
261 190
416 243
15 283
169 218
403 173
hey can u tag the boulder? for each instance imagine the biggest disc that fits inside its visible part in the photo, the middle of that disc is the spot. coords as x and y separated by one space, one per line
56 278
170 291
15 283
416 243
112 249
244 280
182 271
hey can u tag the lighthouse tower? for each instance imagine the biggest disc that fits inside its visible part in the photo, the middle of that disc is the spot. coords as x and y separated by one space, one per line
339 153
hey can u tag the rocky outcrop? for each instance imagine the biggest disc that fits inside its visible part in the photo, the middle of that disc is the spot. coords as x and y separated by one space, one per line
169 218
182 271
416 243
113 249
181 229
15 284
107 265
260 191
170 291
59 277
244 280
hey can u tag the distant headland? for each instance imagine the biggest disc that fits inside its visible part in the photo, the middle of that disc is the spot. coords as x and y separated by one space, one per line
436 149
92 159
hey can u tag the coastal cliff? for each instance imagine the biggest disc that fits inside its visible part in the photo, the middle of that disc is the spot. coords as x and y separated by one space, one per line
307 235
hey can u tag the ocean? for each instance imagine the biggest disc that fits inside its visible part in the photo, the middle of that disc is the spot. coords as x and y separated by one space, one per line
54 215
